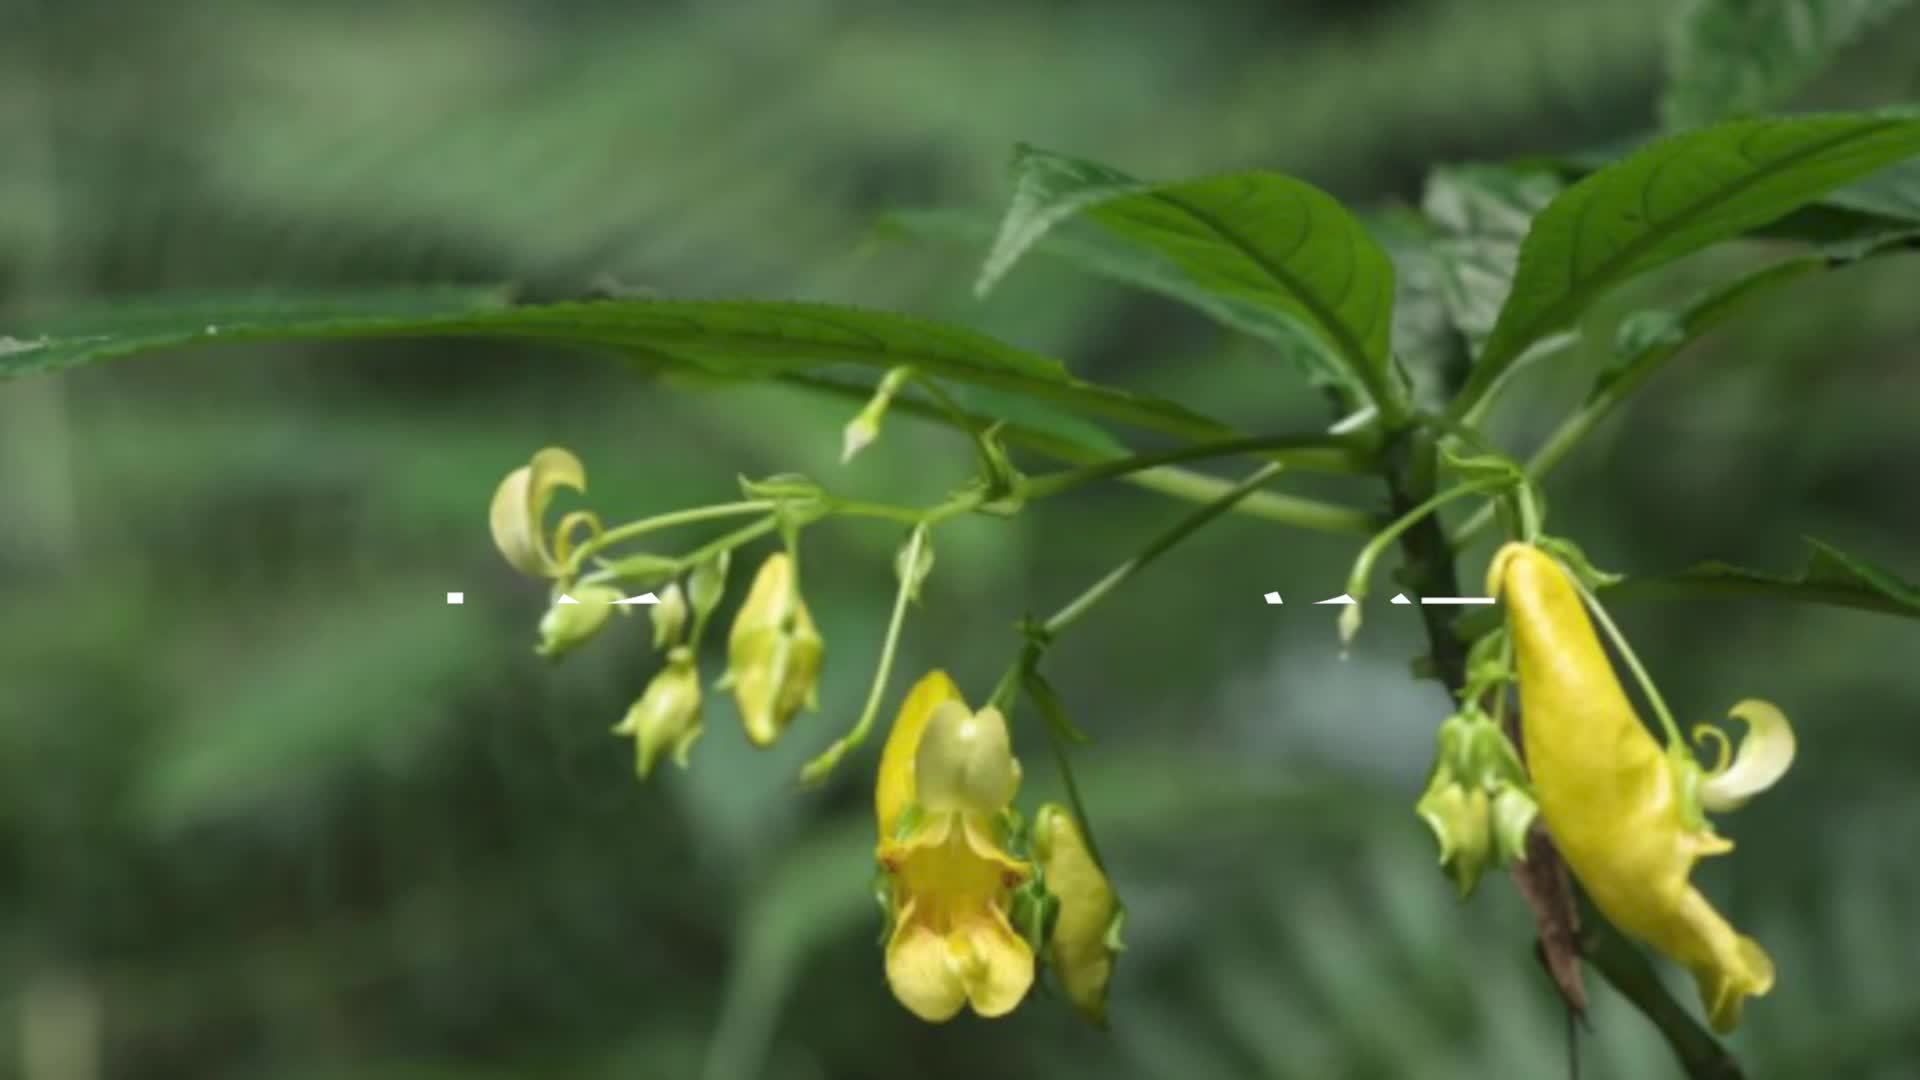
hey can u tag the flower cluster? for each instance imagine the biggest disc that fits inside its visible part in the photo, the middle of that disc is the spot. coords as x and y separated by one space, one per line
774 650
979 900
952 850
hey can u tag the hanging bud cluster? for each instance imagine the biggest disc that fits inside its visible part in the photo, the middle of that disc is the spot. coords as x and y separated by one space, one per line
1476 800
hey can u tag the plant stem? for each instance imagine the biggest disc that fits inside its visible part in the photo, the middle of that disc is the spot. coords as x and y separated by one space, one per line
1285 448
1311 514
1629 973
1177 483
1180 530
823 764
1625 649
662 521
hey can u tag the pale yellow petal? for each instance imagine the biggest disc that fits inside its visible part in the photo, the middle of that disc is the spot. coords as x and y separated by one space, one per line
965 761
1763 758
995 963
919 971
519 507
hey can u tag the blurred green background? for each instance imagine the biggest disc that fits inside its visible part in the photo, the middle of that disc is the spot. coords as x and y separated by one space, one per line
269 807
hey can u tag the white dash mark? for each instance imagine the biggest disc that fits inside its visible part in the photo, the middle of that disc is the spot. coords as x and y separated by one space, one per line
1456 600
1273 598
643 598
456 598
1343 598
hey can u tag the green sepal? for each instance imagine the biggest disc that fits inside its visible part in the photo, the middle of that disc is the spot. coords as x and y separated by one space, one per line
782 487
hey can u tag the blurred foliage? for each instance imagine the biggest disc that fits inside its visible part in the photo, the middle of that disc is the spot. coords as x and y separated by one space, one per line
269 807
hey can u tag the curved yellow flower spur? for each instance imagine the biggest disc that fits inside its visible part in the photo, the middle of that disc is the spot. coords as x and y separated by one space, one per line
1626 815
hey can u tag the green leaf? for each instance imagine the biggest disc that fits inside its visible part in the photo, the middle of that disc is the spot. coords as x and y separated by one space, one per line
1830 576
1672 198
1728 58
734 339
1648 339
1088 248
1276 243
1481 214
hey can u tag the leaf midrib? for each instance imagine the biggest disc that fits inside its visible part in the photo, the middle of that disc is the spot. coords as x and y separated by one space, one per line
1558 312
1348 345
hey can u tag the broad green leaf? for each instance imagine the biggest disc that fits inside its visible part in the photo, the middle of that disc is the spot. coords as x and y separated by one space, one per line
1481 214
1886 200
1260 238
1672 198
735 339
1830 576
1729 58
1088 248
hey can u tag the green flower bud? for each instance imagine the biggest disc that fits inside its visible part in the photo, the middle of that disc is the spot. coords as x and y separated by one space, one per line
774 653
575 616
865 427
669 616
965 762
1459 818
1513 814
667 716
1085 934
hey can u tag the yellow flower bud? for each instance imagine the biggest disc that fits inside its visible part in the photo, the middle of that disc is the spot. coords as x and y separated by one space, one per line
575 616
774 653
965 762
1086 933
520 505
1615 804
667 716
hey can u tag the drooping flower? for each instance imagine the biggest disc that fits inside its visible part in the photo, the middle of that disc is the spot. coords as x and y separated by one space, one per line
774 652
1627 815
519 509
667 716
947 776
1086 934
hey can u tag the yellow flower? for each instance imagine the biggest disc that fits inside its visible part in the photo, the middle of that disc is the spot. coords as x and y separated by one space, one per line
520 506
667 716
1086 934
774 653
1624 813
946 776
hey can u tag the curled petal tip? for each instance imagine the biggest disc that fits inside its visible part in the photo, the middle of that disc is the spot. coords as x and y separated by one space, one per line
1762 758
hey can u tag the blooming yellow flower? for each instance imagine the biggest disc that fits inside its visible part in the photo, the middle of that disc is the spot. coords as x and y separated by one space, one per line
1624 813
774 652
1086 933
946 776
